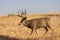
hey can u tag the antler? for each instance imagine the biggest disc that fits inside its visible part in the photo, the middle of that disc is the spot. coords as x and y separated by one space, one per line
19 13
25 11
22 13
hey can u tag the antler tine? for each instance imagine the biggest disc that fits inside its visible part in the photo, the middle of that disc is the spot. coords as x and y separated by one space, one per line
19 10
19 13
22 11
25 11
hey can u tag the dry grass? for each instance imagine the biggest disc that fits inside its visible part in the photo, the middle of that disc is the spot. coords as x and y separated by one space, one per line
9 27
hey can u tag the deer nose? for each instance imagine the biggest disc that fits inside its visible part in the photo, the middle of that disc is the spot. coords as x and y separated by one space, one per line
19 24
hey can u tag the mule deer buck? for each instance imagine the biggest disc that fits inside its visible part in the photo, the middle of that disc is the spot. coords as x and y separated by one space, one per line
35 24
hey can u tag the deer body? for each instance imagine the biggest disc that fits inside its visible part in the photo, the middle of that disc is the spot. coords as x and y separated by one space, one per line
36 23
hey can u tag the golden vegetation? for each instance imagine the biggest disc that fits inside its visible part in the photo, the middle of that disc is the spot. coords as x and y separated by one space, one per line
9 27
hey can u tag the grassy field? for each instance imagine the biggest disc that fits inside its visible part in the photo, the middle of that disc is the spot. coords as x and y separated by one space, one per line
10 30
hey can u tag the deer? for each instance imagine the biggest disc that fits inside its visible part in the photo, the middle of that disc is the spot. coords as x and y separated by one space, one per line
35 24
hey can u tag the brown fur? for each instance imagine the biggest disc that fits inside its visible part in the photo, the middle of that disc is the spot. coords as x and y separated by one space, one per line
35 24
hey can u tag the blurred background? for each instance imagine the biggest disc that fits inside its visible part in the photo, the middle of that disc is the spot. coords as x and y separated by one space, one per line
32 6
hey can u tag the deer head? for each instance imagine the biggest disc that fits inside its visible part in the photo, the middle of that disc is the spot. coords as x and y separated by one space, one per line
23 16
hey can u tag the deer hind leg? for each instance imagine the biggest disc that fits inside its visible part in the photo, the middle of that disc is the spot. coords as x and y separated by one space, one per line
50 28
46 30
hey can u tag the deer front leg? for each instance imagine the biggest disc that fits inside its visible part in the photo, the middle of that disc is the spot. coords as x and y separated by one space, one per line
33 31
